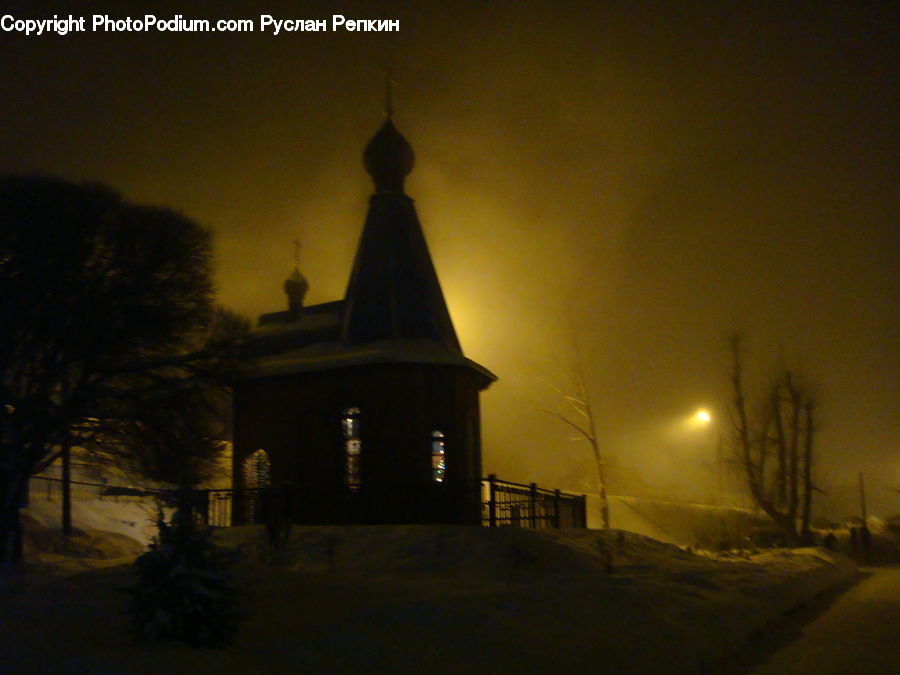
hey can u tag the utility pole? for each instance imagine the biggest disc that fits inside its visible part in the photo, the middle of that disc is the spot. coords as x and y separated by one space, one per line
66 489
719 479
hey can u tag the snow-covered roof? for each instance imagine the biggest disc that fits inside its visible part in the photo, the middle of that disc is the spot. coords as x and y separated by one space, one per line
329 355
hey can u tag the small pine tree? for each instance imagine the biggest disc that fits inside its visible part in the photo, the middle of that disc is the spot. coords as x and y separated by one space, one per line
183 591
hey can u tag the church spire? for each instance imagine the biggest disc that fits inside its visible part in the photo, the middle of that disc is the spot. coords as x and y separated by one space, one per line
296 285
394 292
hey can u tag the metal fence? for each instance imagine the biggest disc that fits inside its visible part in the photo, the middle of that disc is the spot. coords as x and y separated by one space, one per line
218 507
517 505
50 488
503 504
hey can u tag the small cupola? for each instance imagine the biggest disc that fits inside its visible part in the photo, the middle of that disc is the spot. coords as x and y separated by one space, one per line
295 287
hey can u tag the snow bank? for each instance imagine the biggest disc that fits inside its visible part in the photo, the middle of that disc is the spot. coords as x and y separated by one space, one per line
660 609
677 522
442 599
132 518
41 542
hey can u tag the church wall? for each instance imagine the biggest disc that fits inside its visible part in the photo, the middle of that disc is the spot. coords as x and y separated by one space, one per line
297 421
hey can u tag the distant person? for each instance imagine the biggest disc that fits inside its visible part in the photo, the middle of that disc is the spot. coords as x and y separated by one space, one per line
854 540
830 541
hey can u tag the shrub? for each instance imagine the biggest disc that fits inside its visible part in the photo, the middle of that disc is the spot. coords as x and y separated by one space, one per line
183 591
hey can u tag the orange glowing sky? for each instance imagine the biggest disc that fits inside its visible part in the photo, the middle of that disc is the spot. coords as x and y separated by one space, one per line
655 175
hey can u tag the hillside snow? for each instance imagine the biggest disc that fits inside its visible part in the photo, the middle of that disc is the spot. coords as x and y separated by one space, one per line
444 599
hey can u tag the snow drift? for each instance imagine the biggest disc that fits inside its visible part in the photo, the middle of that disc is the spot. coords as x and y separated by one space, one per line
443 599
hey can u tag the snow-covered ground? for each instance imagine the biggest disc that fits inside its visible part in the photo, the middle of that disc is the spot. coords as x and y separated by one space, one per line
858 632
679 523
131 517
404 599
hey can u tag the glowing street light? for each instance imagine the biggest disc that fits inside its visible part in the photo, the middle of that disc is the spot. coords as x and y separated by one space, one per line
702 417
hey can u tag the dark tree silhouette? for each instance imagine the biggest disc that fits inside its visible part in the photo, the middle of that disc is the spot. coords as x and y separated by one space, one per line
109 338
774 442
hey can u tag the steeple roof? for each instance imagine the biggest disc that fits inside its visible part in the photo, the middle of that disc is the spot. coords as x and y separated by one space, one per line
393 311
394 292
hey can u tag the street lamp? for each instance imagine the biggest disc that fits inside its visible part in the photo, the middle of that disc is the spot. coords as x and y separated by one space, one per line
703 418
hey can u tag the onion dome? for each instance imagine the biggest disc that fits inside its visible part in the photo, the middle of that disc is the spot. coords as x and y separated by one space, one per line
388 158
295 288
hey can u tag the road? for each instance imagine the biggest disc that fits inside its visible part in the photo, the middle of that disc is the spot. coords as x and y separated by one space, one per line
857 632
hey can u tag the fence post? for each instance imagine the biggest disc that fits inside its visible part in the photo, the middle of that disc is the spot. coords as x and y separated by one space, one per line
232 500
534 506
492 501
583 511
556 500
201 500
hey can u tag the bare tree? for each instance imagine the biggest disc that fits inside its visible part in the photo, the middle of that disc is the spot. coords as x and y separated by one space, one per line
774 443
108 335
576 411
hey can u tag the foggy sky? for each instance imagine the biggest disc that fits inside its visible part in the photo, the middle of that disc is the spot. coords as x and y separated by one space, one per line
648 176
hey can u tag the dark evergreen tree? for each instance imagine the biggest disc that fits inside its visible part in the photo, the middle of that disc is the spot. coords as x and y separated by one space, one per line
183 590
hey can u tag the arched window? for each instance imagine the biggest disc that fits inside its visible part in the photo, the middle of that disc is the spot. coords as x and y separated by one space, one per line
438 457
352 449
257 470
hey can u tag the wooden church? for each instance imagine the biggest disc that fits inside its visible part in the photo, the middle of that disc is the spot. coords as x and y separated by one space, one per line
365 409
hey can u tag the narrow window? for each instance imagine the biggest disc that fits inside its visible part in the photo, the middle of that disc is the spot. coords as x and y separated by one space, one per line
257 477
438 457
352 449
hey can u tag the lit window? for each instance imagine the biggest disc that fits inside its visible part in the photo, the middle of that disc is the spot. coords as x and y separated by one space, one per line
257 470
352 448
438 457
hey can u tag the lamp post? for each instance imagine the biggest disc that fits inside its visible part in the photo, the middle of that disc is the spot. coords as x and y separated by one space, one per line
703 418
